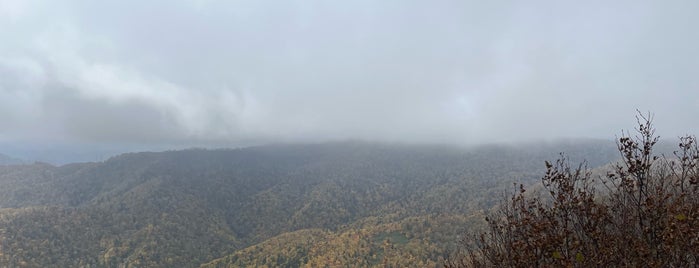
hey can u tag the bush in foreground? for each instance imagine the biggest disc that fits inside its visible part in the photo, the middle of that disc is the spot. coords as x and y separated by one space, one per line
644 213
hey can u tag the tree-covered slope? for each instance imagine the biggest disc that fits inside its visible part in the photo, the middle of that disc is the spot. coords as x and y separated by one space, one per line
186 208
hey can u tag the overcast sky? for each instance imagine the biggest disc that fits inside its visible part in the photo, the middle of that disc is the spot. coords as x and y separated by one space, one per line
235 72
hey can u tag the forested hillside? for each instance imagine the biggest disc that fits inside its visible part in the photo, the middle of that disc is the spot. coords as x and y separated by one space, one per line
352 203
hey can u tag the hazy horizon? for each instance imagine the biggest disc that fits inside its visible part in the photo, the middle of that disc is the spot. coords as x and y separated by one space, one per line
157 75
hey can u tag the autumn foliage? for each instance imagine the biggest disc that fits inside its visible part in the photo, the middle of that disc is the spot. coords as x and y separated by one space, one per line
643 213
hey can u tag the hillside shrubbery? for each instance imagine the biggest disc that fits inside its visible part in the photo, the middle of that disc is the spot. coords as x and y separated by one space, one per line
644 213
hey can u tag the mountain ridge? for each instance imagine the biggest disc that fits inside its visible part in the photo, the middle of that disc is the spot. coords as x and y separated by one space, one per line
188 207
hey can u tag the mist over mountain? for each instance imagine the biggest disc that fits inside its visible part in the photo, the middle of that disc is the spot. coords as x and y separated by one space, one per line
8 160
232 74
310 133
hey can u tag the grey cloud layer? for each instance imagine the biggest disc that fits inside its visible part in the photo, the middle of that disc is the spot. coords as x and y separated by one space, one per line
428 71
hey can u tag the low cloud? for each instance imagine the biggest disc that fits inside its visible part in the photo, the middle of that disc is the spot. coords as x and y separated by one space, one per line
219 72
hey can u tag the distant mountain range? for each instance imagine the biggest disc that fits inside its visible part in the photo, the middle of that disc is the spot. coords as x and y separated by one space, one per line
365 204
8 160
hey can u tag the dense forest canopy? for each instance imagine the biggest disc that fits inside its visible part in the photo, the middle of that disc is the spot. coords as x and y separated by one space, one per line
278 205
